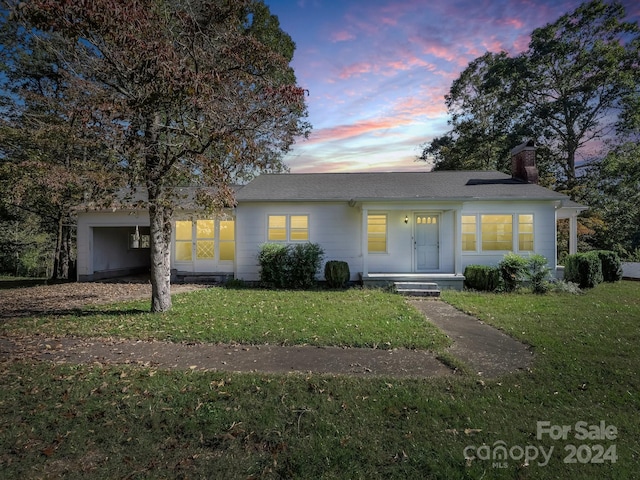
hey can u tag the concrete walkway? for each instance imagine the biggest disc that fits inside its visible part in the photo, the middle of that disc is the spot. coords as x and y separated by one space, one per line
486 350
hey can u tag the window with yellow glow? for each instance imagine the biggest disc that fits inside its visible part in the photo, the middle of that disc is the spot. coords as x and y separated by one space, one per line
377 233
205 235
277 228
183 230
184 234
497 232
206 239
299 228
469 233
283 228
227 240
525 233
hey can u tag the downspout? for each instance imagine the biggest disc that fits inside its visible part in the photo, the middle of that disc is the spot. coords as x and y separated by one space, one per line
457 242
364 245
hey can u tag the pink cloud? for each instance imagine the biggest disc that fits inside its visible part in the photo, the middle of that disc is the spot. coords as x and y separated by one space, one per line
431 105
401 61
342 36
511 22
434 47
409 62
521 43
355 69
364 127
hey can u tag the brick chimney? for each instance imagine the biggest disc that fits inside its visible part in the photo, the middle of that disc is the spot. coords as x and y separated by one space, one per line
523 162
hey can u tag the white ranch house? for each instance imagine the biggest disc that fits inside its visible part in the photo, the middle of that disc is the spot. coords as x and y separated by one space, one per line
409 226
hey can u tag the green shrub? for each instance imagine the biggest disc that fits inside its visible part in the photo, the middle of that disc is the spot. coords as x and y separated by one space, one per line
336 273
481 277
585 269
235 284
537 273
305 261
611 265
289 266
562 286
274 267
513 269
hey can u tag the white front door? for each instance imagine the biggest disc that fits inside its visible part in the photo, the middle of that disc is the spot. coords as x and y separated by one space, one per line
427 242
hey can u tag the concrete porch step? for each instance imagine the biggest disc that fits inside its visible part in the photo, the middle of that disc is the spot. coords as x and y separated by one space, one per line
202 279
418 289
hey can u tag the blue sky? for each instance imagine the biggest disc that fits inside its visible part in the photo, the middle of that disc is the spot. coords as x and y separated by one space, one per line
377 70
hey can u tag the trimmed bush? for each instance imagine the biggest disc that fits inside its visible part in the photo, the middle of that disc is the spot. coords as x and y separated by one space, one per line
289 266
481 277
611 265
585 269
513 269
305 261
336 273
274 265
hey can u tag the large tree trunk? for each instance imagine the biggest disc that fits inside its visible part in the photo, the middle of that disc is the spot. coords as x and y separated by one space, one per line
62 257
160 213
58 251
160 223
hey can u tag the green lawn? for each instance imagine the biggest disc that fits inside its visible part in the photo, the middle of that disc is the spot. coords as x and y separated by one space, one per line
120 422
354 318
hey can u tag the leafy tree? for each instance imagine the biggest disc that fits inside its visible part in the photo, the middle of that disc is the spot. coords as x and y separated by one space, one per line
24 248
576 83
190 91
575 76
612 189
483 119
50 158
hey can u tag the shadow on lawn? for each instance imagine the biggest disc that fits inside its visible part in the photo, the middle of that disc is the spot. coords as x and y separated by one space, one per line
9 283
76 312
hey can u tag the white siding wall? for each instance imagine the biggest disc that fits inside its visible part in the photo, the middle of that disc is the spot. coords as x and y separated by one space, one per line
337 228
334 226
544 229
400 256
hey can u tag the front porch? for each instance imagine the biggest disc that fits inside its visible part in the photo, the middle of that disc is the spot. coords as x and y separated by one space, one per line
449 281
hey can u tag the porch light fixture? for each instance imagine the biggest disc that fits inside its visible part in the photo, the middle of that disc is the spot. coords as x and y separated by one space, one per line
406 219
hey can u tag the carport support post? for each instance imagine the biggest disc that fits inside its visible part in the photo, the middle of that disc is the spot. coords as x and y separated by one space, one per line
573 234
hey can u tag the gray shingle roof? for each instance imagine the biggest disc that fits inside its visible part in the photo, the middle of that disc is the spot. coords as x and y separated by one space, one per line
399 186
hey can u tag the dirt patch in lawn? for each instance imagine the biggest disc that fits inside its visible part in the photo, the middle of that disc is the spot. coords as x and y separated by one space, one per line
66 297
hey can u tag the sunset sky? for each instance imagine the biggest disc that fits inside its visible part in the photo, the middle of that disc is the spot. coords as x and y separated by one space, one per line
377 70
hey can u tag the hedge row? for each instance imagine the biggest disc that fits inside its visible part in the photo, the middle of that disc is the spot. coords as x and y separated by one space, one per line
481 277
289 266
510 274
591 268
